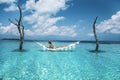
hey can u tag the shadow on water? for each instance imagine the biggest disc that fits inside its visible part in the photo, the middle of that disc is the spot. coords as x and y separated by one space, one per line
1 78
57 51
97 52
17 50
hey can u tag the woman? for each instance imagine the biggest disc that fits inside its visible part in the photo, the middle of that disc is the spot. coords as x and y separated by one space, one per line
50 44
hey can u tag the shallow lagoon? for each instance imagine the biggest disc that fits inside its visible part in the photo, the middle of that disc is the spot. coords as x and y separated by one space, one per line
78 64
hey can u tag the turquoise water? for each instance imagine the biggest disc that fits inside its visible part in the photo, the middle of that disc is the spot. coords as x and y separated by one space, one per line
78 64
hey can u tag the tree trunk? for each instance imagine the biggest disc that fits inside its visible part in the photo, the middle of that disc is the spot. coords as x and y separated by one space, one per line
95 35
21 43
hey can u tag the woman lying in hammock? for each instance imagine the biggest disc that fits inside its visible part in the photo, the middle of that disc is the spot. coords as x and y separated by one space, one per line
51 45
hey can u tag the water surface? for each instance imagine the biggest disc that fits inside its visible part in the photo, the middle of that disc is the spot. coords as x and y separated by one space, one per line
78 64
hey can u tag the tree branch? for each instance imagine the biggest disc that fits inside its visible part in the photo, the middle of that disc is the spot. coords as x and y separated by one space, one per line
19 22
12 22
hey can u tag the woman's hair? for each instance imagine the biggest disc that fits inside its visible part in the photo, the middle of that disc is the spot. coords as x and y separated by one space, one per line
49 42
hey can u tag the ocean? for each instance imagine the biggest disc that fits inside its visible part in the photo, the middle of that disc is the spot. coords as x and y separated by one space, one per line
34 63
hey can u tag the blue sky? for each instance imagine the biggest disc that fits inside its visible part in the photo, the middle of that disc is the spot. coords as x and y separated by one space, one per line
62 19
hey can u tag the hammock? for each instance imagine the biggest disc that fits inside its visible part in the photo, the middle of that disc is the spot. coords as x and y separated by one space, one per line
68 47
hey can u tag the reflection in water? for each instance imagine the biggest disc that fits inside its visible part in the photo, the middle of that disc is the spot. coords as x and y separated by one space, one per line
17 50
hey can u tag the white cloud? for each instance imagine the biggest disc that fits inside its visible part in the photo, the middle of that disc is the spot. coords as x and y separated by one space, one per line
53 30
42 20
46 6
12 7
46 26
90 34
43 23
30 4
111 25
29 32
9 30
36 31
7 1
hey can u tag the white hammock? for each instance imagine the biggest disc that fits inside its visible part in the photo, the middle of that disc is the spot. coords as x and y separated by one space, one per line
68 47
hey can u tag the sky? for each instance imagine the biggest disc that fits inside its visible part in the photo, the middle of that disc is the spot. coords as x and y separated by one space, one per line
62 19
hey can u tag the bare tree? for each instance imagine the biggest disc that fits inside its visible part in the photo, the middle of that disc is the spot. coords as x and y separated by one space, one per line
20 27
95 35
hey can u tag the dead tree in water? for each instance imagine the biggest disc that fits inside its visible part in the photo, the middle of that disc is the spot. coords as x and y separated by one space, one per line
95 35
20 28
